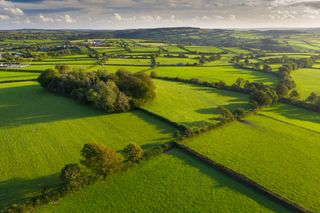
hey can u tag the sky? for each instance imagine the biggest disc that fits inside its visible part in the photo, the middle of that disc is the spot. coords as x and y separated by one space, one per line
132 14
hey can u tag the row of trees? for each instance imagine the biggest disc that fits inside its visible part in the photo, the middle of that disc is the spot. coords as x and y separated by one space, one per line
117 92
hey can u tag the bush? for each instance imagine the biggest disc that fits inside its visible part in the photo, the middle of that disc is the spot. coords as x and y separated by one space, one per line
70 173
102 160
133 153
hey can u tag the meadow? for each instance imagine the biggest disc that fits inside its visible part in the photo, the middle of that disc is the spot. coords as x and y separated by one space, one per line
40 132
204 49
307 81
14 76
281 157
202 110
175 61
153 185
294 115
228 74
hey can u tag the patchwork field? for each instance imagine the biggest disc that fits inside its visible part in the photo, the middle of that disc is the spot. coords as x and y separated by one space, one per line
281 157
175 176
307 81
41 132
227 74
191 105
204 49
14 76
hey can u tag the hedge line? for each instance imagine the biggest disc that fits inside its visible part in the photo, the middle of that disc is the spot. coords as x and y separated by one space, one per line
244 180
18 70
16 81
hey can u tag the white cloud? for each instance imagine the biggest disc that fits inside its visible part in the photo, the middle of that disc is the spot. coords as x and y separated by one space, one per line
46 19
4 17
117 17
232 17
11 8
68 19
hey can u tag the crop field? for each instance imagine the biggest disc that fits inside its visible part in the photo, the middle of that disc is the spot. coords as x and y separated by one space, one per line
40 132
307 81
294 115
120 61
161 180
281 157
175 61
202 110
13 76
227 74
204 49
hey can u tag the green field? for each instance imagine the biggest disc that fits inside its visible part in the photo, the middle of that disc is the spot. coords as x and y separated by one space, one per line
204 49
228 74
175 61
192 105
121 61
294 115
283 158
14 76
307 81
41 132
172 182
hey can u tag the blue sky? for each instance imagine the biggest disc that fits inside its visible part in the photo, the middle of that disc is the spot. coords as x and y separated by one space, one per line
123 14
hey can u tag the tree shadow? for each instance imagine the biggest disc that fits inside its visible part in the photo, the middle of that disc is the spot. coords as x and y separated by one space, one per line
292 112
17 190
224 181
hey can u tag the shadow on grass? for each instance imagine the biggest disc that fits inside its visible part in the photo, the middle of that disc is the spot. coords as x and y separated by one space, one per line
17 190
226 182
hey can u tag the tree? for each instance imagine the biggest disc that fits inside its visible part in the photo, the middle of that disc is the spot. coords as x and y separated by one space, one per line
260 98
267 68
294 95
70 173
101 159
239 114
133 153
226 115
282 90
313 98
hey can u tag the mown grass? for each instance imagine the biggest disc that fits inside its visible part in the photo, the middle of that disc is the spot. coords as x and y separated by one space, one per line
294 115
283 158
14 76
113 61
307 81
41 132
228 74
192 105
172 182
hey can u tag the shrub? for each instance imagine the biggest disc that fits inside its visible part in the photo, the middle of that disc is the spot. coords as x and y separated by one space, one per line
70 173
102 160
133 153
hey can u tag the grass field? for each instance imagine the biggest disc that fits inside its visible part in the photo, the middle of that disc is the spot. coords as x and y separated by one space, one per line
307 81
172 182
173 101
174 61
120 61
283 158
41 132
228 74
204 49
294 115
13 76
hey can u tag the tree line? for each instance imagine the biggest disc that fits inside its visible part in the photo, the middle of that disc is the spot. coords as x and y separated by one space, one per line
111 92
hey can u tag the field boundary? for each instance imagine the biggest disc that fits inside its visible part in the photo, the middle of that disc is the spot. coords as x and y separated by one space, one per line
291 124
243 179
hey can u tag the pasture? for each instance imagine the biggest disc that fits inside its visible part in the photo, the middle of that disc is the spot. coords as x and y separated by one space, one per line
153 185
307 81
40 132
228 74
283 158
14 76
172 97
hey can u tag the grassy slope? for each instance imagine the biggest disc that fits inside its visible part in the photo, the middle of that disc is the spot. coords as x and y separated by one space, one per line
168 183
193 105
41 132
307 81
281 157
13 76
294 115
228 74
